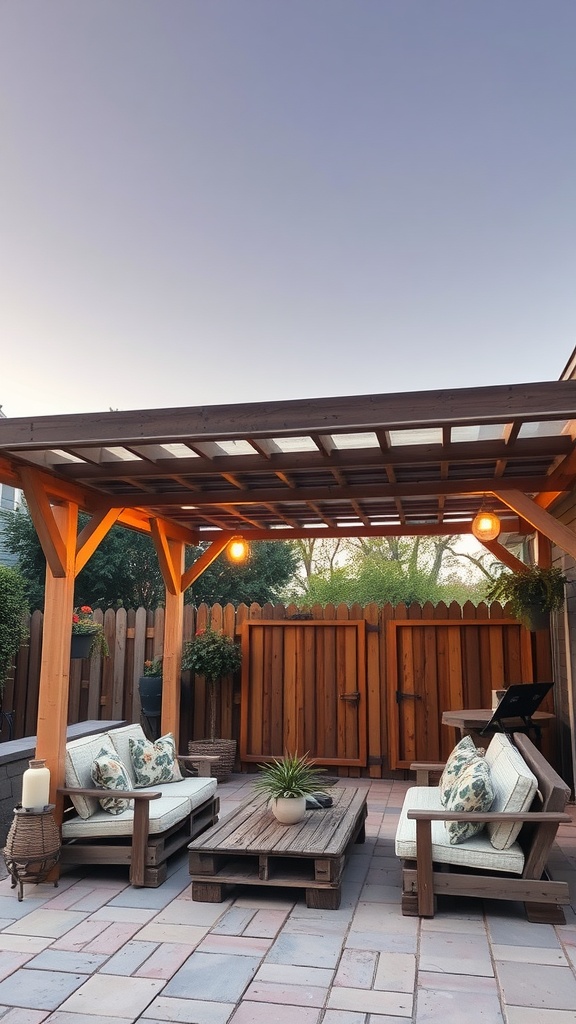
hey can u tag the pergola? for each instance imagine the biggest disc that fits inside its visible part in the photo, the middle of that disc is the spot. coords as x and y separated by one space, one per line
419 464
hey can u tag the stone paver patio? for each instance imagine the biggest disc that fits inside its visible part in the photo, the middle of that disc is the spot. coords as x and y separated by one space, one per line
95 949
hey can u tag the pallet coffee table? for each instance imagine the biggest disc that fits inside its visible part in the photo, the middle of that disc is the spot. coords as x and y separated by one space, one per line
249 847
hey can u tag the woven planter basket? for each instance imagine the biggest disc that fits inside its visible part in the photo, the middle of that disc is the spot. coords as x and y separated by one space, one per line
224 749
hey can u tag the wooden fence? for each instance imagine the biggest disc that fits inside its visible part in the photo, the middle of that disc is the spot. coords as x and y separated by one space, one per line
281 700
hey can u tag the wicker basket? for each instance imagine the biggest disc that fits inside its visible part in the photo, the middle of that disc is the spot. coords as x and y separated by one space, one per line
224 749
32 847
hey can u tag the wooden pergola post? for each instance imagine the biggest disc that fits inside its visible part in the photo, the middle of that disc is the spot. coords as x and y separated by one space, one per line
55 664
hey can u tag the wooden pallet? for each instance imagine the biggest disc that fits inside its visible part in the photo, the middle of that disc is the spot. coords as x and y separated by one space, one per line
249 847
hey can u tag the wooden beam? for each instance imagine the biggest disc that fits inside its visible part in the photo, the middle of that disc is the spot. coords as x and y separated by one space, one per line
89 538
55 664
562 479
541 520
259 496
505 556
46 522
397 530
172 653
502 403
206 559
170 573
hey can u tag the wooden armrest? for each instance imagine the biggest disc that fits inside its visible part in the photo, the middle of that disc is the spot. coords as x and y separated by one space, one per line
423 770
204 762
123 794
536 817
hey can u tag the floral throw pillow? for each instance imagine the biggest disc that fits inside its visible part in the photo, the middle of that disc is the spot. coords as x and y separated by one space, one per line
473 791
109 772
154 762
463 752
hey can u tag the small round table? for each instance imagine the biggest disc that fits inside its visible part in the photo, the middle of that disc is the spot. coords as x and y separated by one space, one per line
474 720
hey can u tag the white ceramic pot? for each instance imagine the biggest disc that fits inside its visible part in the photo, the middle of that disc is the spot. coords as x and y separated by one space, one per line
289 809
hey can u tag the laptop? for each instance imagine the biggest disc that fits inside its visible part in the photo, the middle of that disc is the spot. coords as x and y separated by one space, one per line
520 700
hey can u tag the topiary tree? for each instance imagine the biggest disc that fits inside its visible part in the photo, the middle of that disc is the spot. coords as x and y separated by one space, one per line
13 607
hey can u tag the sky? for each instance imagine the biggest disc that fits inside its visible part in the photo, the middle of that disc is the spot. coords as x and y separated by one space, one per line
214 201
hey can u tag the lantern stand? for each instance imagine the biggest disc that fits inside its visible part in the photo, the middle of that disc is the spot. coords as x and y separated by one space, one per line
32 846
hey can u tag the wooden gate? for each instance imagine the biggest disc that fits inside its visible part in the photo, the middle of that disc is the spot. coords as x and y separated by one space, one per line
440 666
304 690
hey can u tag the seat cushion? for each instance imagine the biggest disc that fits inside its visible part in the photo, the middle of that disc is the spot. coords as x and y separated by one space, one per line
476 852
80 755
197 790
514 785
164 813
154 763
472 791
463 752
109 772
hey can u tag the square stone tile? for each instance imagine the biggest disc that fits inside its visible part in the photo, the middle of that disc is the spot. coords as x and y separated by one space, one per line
551 988
320 977
370 1001
65 960
531 1015
166 959
10 961
396 972
305 950
273 1013
356 968
49 923
516 931
190 935
40 990
21 1016
286 994
455 954
129 958
213 976
345 1017
437 1007
186 1011
114 997
531 955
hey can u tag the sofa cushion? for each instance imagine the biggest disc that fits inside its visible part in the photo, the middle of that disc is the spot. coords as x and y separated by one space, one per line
154 763
164 813
80 755
463 752
476 852
196 789
121 740
514 786
472 791
109 772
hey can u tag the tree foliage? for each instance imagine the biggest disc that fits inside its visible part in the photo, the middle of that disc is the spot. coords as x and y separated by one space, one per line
124 569
13 607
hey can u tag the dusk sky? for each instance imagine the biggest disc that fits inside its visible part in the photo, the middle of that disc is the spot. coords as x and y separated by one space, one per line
212 201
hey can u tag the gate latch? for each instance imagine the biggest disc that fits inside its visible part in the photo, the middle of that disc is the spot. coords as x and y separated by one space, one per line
353 698
407 696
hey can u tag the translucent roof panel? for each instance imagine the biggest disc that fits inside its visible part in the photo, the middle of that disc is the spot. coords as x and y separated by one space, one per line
364 440
237 447
545 428
427 435
67 456
488 432
179 451
121 453
295 444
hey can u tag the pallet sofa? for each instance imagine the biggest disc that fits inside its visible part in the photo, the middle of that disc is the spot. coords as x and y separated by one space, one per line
507 859
159 820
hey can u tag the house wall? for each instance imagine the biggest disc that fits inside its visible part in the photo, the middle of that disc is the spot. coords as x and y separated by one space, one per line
564 647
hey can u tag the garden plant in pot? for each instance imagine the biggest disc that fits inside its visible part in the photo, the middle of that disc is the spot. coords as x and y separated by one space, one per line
87 634
212 654
288 781
532 593
150 689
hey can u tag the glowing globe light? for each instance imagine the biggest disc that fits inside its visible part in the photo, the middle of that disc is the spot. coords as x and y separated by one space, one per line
237 550
486 526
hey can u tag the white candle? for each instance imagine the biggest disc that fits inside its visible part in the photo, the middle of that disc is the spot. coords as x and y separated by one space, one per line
36 786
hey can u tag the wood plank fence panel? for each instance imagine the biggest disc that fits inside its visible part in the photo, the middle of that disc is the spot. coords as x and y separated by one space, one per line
300 669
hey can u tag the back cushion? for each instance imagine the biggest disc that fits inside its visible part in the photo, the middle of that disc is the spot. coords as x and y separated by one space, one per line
463 752
514 788
472 791
121 740
80 755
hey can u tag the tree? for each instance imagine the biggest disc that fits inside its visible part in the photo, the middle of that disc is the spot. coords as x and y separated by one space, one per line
395 569
12 627
124 569
269 568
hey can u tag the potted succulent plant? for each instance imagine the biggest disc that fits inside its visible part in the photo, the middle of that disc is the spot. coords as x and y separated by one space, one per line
288 781
87 634
532 593
212 654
